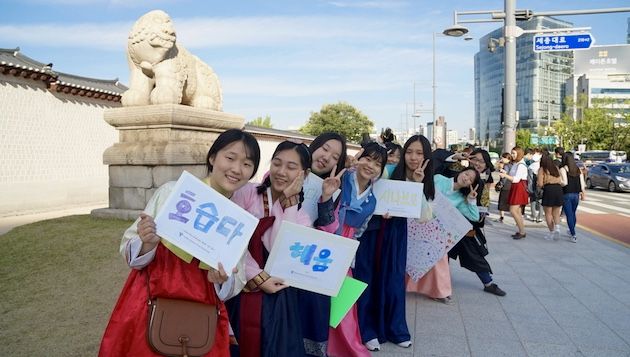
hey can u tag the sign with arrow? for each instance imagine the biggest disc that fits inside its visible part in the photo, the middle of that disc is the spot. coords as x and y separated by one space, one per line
567 42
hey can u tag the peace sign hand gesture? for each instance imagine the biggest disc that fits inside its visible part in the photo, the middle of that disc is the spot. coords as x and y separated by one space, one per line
331 184
418 174
351 161
473 192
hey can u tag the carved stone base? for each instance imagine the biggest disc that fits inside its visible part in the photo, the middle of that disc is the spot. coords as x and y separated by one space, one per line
157 143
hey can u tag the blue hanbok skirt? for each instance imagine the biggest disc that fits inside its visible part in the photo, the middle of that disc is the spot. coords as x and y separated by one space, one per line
381 262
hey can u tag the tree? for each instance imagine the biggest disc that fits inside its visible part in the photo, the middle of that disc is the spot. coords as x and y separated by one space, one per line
340 118
523 138
600 126
261 122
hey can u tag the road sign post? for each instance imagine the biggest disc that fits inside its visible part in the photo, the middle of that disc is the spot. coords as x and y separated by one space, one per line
566 42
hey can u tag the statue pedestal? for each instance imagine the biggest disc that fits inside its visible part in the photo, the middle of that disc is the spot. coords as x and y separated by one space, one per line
157 143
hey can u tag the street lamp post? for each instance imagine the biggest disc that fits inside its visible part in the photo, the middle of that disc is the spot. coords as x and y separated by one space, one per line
509 16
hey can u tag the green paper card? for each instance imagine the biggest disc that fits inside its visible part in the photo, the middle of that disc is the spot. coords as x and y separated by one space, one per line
349 293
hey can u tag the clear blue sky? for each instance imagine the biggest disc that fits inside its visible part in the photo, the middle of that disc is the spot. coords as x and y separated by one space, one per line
287 58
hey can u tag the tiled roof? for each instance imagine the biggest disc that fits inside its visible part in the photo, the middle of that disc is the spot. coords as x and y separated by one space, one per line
15 63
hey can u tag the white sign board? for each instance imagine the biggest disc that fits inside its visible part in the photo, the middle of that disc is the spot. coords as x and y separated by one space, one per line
398 198
312 193
204 223
310 259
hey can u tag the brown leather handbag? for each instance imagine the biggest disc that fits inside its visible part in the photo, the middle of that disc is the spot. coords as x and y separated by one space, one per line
181 327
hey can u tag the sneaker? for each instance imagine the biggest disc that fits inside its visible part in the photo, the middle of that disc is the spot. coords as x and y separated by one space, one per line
555 235
494 289
373 345
404 344
549 235
573 239
569 232
517 235
538 220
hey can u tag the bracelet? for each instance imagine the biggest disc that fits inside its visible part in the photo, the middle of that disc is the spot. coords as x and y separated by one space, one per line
255 282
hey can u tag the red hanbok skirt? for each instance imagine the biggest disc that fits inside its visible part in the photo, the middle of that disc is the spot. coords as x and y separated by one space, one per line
126 332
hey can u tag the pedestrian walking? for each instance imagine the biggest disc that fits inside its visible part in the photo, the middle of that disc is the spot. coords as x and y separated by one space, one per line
503 186
574 190
552 199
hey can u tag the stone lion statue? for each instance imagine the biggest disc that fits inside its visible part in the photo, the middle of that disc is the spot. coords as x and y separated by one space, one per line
163 72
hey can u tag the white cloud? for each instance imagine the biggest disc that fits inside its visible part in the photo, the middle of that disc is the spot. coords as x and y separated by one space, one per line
110 36
370 4
218 32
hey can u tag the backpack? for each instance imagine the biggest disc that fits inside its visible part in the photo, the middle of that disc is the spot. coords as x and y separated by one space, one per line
532 181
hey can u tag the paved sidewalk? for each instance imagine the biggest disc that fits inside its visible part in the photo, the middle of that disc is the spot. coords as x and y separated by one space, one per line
563 299
9 222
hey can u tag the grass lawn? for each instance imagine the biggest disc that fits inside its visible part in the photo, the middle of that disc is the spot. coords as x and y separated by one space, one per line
59 281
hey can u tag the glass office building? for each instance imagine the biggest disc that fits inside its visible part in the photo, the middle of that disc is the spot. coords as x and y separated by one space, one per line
540 81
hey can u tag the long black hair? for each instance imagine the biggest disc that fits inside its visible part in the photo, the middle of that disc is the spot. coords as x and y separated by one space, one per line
569 162
321 139
305 161
400 172
377 152
486 158
252 150
466 190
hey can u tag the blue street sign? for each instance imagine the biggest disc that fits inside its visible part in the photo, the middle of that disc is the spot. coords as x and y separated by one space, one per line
568 42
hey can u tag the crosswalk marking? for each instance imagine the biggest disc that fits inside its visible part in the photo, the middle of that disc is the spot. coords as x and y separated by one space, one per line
581 208
615 203
610 207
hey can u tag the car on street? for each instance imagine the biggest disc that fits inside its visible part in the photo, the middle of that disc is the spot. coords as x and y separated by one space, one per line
614 177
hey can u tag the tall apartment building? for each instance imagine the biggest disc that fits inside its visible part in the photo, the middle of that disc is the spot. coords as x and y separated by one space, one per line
540 81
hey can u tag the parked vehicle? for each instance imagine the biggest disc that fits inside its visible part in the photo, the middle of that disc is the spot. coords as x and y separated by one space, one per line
614 177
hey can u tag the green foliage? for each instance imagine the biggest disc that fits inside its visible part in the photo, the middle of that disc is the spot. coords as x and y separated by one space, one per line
601 127
523 138
262 122
341 118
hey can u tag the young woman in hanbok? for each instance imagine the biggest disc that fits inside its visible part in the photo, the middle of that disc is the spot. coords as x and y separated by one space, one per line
356 204
382 257
472 248
328 154
171 273
265 317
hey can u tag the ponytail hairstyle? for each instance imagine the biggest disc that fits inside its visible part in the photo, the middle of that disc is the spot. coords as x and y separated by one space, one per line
305 160
252 150
400 172
377 152
466 190
321 139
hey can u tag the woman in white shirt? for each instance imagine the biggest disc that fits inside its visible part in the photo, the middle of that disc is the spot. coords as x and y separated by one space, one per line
518 190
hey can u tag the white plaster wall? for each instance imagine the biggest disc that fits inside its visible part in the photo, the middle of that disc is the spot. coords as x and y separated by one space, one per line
51 148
